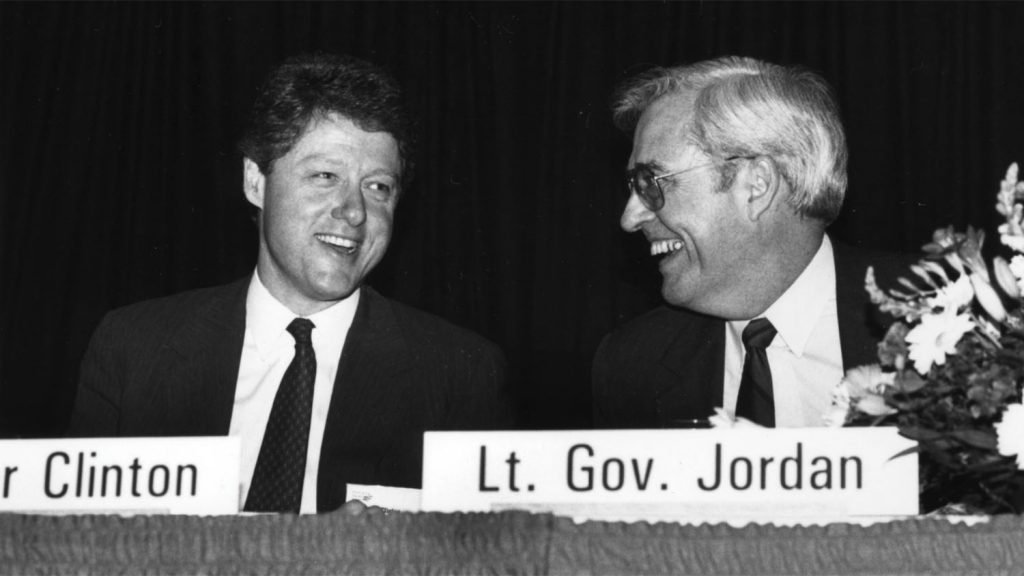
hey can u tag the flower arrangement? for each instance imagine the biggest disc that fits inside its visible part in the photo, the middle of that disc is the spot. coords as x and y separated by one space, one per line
951 367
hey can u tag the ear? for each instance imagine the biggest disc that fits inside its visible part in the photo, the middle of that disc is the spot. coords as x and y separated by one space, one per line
761 186
253 183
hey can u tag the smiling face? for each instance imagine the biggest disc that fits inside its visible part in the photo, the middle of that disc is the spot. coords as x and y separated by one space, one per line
704 236
326 212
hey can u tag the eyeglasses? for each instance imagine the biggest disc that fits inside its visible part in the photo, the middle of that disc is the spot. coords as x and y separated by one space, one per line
643 182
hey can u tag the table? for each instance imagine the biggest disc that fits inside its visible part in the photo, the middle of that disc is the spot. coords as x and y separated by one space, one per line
379 542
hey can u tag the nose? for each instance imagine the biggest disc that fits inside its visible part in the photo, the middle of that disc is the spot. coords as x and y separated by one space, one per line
351 207
635 214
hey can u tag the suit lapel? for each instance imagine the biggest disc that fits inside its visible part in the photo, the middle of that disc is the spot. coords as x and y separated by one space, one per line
689 380
194 379
692 382
859 332
375 363
693 363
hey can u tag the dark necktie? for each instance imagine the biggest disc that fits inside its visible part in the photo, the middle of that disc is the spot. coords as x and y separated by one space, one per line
277 481
755 401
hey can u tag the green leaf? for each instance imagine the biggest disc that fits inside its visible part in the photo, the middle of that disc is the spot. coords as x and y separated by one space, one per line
910 382
919 434
976 438
911 450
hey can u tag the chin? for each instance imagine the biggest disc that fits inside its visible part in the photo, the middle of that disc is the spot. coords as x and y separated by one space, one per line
674 300
672 294
690 302
336 290
340 293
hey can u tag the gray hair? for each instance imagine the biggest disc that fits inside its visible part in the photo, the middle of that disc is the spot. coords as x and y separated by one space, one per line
746 107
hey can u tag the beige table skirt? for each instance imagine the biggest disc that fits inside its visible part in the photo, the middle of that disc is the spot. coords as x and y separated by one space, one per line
501 543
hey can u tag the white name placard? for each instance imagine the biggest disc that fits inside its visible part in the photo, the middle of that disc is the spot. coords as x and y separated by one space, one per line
387 497
675 475
195 475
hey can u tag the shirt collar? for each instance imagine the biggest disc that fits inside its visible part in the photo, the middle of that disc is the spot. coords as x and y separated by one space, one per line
267 319
797 311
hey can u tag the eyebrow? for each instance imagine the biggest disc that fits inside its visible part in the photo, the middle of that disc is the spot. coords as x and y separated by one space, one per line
380 170
318 157
653 166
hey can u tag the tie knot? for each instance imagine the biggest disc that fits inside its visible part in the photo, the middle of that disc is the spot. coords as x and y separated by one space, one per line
759 333
301 329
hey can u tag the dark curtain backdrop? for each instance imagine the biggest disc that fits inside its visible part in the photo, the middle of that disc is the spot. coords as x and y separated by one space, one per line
119 180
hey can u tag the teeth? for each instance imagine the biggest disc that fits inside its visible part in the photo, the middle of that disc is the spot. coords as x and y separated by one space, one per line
665 246
338 241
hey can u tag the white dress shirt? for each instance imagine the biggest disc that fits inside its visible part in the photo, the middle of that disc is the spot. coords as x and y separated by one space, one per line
267 351
805 357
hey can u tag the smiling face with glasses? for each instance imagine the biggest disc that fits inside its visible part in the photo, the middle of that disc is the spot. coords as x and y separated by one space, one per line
706 243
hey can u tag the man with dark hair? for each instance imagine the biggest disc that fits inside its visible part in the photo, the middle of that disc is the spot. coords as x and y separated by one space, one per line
325 381
737 168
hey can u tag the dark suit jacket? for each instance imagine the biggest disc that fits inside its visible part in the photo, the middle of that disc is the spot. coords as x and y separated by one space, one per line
169 367
667 365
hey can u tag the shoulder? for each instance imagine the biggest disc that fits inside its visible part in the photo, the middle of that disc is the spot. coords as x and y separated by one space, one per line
850 256
422 330
657 325
162 315
644 340
188 300
852 264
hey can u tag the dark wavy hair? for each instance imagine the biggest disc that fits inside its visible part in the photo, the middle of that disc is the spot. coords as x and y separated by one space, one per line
310 87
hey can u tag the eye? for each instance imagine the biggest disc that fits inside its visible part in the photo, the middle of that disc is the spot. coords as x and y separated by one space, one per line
380 190
323 179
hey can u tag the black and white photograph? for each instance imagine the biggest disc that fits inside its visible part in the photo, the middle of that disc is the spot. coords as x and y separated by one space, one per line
552 287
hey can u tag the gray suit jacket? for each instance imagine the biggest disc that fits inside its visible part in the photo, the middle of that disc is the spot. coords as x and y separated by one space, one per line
169 367
667 365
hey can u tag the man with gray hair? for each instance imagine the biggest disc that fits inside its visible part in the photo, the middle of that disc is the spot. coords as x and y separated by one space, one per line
737 168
